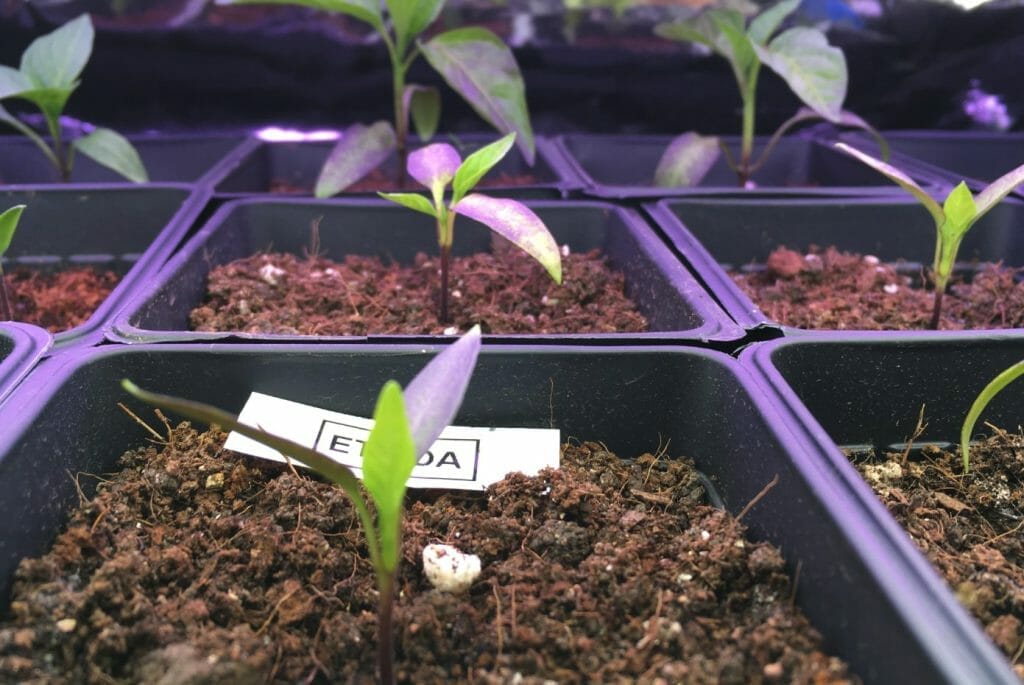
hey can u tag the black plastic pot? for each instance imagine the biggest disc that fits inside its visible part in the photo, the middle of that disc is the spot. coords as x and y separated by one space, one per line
865 391
131 230
297 166
854 583
675 305
622 167
169 158
21 346
717 235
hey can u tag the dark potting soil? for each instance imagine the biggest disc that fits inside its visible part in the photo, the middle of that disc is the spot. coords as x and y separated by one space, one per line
378 180
969 526
58 300
829 289
194 565
507 293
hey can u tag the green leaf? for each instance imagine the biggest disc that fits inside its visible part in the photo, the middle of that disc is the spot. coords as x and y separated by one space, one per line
50 101
412 201
423 103
959 208
1000 188
13 82
8 224
113 151
813 69
411 17
478 164
360 150
686 161
994 387
481 68
389 457
765 24
740 50
363 10
900 179
689 31
57 59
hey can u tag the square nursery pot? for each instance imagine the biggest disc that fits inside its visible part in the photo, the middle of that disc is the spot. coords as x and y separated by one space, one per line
622 167
675 305
21 346
858 586
130 230
865 391
719 235
169 158
292 168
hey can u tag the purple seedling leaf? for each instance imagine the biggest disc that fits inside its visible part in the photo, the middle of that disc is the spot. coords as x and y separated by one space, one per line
516 222
434 166
434 395
686 161
360 150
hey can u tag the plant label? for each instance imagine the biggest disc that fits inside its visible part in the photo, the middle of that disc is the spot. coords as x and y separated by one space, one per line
463 458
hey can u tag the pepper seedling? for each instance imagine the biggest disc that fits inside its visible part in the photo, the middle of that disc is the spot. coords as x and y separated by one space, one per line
406 424
812 68
8 224
48 75
472 60
994 387
953 218
437 165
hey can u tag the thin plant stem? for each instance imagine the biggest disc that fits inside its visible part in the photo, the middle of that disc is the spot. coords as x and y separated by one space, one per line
446 252
749 111
385 630
63 161
937 308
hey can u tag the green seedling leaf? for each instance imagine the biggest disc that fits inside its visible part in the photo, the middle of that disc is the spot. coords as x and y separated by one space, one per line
481 68
423 103
478 164
982 401
434 396
56 60
959 207
739 49
999 189
363 10
434 166
360 150
900 179
389 457
516 222
8 224
686 161
412 201
411 17
112 150
765 24
814 70
13 83
693 30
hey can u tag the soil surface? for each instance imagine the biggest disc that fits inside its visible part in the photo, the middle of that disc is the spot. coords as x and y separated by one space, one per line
378 180
829 289
193 565
969 526
58 300
505 293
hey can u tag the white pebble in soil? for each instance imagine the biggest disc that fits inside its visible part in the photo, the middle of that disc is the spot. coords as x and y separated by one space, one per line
448 569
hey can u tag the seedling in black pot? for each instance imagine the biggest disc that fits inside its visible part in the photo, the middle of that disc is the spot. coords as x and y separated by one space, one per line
8 224
813 69
472 60
437 165
48 75
994 387
406 424
953 218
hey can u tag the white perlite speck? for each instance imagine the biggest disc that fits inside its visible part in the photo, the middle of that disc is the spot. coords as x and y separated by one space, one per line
269 273
448 569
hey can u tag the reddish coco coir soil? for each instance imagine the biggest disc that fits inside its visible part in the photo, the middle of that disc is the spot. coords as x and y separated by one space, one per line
969 526
58 300
829 289
504 293
193 565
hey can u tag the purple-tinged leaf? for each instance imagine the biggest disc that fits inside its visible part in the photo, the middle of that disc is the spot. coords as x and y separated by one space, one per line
813 69
112 150
434 166
434 395
516 222
686 161
360 150
1000 188
900 179
13 82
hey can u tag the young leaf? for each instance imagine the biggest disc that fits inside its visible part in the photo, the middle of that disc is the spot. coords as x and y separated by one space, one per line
1000 188
481 68
686 160
360 150
959 208
688 31
112 150
434 166
411 17
516 222
8 223
13 82
765 24
423 103
389 457
738 49
478 164
433 397
813 69
363 10
994 387
900 179
412 201
57 59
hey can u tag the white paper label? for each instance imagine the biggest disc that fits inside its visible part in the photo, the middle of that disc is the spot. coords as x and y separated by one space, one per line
463 458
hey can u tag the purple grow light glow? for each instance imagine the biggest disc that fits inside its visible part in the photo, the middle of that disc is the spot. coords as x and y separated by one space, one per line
277 134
